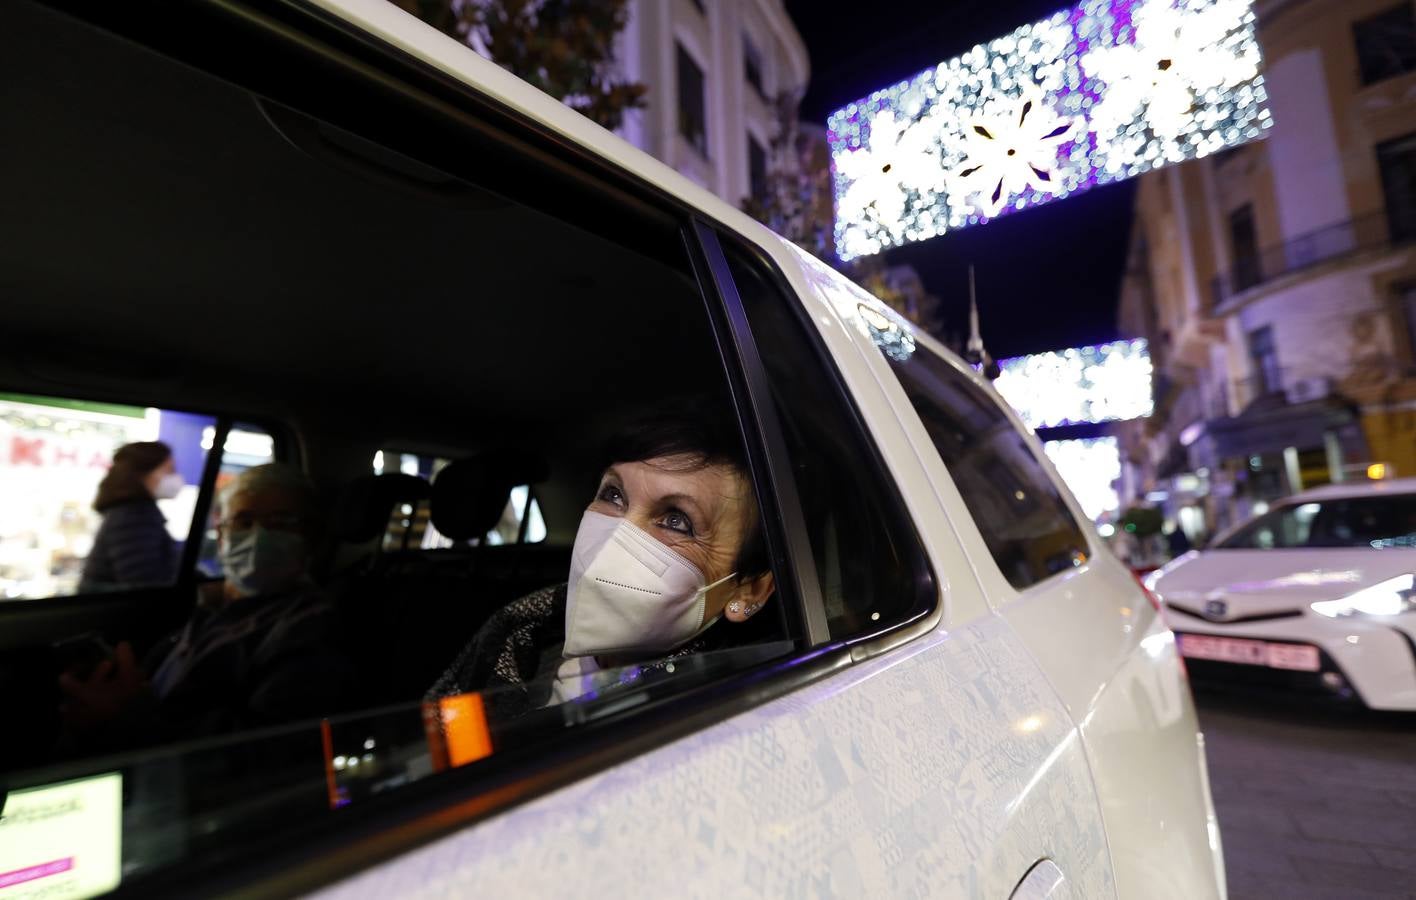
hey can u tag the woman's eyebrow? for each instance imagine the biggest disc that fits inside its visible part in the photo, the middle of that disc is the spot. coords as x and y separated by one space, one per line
683 500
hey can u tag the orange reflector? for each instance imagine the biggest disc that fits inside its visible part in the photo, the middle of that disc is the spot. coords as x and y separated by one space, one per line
1376 471
457 730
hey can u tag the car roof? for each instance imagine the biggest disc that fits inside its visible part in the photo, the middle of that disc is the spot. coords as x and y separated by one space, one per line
1346 489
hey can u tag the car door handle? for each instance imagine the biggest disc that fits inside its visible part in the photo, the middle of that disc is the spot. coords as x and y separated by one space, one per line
1044 881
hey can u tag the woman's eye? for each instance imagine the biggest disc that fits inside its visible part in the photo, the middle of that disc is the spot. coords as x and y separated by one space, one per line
611 494
677 521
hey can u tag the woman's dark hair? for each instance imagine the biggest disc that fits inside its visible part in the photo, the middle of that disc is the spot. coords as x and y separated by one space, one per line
131 464
707 440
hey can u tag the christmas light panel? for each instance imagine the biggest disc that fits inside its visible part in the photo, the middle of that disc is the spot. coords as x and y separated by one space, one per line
1090 466
1102 383
1098 93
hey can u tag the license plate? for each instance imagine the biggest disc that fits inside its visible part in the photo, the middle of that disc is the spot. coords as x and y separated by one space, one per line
1299 657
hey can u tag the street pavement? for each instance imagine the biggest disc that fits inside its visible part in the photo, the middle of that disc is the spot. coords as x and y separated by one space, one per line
1312 805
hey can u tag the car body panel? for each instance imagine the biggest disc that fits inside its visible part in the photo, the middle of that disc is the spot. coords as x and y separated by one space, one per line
1095 636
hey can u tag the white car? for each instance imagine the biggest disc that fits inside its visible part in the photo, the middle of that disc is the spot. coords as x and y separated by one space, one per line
324 233
1316 595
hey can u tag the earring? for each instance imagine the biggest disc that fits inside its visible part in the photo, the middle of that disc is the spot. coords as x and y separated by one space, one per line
752 608
735 607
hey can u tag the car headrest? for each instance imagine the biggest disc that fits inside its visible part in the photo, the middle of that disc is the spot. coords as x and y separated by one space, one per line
469 495
362 512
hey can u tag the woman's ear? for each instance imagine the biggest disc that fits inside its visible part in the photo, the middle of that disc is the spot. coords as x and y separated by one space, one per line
749 596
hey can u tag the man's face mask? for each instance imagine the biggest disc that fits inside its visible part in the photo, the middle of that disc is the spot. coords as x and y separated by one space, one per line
628 593
261 561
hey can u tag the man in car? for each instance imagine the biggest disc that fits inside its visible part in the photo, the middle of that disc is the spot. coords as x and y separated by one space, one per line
259 648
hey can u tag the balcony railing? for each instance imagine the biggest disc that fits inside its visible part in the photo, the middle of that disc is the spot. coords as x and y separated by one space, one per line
1365 233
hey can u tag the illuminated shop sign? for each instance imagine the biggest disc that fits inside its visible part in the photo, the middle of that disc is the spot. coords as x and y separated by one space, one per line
1097 93
1103 383
62 841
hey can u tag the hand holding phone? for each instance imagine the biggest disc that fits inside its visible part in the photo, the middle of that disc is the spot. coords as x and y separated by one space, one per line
80 654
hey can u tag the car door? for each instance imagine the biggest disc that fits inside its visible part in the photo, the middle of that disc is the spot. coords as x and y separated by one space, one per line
1100 642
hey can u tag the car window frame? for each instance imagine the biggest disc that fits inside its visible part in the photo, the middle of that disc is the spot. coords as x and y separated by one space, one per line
929 601
344 66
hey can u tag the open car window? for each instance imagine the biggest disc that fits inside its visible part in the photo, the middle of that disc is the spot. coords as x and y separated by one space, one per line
336 294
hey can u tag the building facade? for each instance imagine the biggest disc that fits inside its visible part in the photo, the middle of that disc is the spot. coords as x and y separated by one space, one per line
714 69
1276 281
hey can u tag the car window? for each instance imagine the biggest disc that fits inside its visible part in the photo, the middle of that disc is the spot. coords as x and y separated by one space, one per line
410 524
1380 523
353 302
55 454
1018 509
868 558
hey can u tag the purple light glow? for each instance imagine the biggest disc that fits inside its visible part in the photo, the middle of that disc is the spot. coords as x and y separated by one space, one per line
1097 93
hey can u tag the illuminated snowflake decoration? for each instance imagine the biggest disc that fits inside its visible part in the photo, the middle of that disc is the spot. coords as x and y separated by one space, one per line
1137 83
900 158
1011 153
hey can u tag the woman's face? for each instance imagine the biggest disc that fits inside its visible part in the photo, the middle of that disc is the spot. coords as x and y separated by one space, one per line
153 478
700 512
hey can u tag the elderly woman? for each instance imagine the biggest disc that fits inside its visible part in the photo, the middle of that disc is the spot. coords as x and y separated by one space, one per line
669 558
259 648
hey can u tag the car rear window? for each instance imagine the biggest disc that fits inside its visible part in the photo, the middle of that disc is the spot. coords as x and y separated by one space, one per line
1017 507
1380 523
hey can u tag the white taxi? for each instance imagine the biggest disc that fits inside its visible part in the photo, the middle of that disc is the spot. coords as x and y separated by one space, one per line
1316 596
321 232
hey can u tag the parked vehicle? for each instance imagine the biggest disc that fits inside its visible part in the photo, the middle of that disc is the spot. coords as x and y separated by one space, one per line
1316 595
322 233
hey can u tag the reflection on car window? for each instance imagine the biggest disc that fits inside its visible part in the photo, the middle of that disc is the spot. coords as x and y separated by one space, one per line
868 561
1379 523
1018 509
147 812
70 519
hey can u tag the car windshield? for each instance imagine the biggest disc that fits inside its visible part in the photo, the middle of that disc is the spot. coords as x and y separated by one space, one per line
1377 522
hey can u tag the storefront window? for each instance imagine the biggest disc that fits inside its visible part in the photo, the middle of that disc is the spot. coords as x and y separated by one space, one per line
54 452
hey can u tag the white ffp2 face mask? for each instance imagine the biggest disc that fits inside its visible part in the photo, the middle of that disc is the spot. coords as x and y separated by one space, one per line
628 593
169 486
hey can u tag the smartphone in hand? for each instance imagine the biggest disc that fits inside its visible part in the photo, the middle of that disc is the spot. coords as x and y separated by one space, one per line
80 654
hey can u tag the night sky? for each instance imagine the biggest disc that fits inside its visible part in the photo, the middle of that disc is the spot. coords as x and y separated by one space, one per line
1047 277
